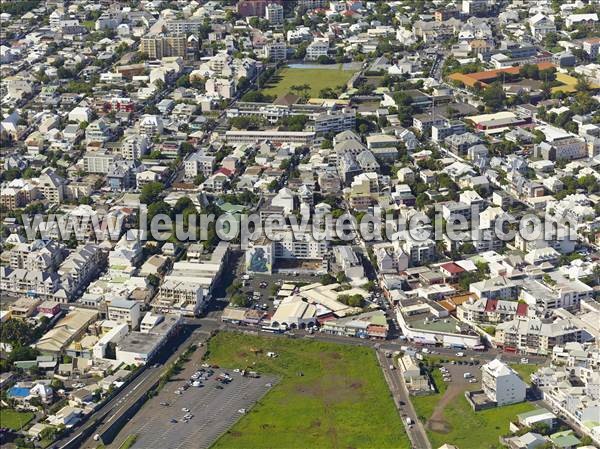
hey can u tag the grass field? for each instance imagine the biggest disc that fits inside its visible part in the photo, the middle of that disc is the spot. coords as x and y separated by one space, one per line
329 396
14 420
317 79
464 426
525 371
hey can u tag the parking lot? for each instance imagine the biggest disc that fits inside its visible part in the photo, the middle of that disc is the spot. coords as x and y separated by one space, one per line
198 416
454 373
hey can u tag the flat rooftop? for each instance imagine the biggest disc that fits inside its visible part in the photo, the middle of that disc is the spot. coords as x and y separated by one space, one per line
426 321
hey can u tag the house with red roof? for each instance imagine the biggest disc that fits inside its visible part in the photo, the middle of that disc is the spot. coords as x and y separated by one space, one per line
451 271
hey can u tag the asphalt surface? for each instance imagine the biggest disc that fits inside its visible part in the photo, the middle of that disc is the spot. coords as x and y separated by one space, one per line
214 412
141 385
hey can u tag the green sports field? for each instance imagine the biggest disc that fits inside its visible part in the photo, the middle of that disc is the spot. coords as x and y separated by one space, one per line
329 396
317 79
11 419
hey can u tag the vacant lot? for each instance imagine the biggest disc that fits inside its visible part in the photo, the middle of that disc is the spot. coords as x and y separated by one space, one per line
525 370
330 396
316 79
14 420
449 418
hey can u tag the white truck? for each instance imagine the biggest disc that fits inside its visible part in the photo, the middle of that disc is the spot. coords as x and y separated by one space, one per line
460 354
467 375
409 421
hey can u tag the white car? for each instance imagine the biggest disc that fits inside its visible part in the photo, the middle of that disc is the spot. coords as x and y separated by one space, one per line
185 409
242 411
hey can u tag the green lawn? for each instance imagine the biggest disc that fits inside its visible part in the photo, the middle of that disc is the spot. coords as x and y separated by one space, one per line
341 400
14 420
465 427
317 79
525 371
476 430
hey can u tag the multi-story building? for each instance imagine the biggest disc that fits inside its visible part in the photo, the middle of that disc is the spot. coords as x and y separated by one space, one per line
335 120
317 48
184 26
98 161
275 50
98 132
134 147
40 255
475 7
591 47
560 145
490 311
502 384
26 282
124 311
496 288
536 336
274 13
80 266
198 163
160 46
419 250
555 293
51 186
571 386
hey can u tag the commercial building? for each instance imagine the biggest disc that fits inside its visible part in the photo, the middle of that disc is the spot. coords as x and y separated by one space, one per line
427 322
139 348
66 330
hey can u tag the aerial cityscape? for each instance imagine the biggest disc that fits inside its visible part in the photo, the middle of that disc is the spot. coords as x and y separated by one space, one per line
300 224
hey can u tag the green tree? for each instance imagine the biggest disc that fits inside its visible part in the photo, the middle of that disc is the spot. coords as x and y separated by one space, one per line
151 192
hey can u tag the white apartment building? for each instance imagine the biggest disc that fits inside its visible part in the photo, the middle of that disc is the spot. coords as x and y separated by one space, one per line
275 51
335 120
274 13
124 311
134 147
420 251
97 161
198 163
317 48
490 311
51 186
80 266
495 288
220 87
502 384
558 293
42 255
536 336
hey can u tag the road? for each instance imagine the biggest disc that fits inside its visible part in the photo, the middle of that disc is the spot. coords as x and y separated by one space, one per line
415 431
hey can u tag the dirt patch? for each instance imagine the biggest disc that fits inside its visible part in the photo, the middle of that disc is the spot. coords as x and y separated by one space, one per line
356 385
235 434
315 424
334 355
437 422
439 426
